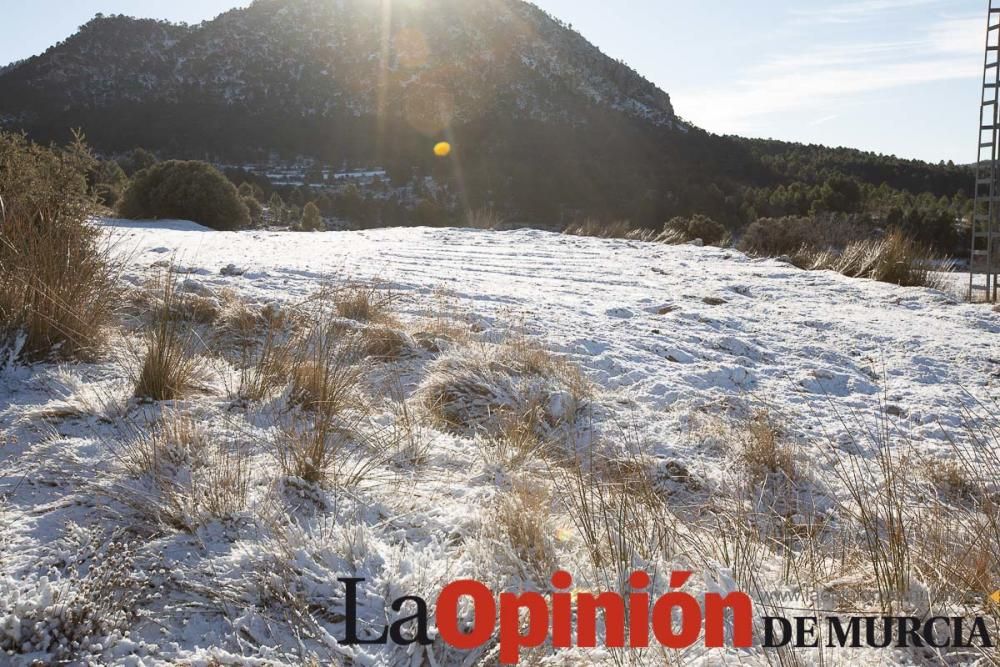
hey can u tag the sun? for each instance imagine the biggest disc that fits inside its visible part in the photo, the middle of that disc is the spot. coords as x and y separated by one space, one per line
442 149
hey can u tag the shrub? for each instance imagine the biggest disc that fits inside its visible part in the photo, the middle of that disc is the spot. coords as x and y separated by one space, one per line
136 161
312 221
255 210
777 236
69 617
685 230
791 235
109 182
276 212
186 190
58 285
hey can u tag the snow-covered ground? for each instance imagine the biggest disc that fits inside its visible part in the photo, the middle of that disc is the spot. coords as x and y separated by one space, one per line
667 333
670 327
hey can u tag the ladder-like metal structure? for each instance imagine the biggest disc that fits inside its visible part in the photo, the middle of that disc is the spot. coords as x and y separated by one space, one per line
984 265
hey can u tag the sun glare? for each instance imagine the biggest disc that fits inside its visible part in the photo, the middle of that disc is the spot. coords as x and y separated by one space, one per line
442 149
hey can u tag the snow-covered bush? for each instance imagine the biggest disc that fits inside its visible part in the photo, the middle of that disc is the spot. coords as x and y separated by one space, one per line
480 387
65 616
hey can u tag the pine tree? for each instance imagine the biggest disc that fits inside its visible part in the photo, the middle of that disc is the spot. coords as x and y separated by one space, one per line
276 209
311 220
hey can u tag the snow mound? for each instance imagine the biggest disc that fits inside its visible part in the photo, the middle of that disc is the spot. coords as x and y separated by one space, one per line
162 225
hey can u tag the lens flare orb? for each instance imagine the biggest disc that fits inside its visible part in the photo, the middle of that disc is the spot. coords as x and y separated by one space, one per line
442 149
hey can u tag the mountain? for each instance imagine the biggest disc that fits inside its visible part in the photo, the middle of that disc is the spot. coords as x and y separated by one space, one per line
544 124
434 61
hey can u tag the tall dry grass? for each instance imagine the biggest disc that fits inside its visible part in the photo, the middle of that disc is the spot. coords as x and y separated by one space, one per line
189 475
58 277
316 439
616 229
167 363
484 218
848 247
685 230
362 302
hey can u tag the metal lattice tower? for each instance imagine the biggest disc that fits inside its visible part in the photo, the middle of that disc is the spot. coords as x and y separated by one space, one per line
984 266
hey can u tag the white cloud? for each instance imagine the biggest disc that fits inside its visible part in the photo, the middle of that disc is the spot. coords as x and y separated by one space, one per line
825 119
852 12
959 35
827 79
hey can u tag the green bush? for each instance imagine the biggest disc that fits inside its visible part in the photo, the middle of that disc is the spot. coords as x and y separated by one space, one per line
685 230
255 210
778 236
109 182
311 219
185 190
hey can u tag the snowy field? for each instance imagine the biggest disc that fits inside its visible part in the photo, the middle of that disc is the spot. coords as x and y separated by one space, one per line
677 340
670 328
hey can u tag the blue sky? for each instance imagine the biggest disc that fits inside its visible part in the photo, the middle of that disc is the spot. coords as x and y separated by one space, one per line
893 76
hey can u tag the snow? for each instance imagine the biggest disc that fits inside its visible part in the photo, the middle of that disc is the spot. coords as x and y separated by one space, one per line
164 225
667 333
736 327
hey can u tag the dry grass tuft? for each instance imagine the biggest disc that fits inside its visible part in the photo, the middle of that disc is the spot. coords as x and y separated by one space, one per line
385 343
264 365
479 386
439 334
177 440
950 481
896 259
484 218
880 510
364 302
324 374
959 547
523 515
620 524
848 247
323 449
192 476
764 454
325 384
515 443
169 365
617 229
406 439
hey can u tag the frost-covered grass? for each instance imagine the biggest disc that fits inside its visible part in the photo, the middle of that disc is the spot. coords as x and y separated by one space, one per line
471 404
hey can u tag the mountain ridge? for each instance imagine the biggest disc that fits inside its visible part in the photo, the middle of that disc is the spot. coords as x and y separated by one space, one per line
544 124
312 43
